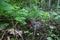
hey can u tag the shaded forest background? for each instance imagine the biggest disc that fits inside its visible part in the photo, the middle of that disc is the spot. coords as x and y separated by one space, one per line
29 19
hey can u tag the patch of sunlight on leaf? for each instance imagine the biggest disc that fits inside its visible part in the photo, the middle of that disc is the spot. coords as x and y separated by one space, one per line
52 27
26 31
54 13
49 38
6 6
21 19
53 35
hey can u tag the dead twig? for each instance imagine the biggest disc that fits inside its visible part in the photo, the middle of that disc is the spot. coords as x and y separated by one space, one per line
3 35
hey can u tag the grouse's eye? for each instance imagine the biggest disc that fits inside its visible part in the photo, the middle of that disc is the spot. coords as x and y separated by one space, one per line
33 24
